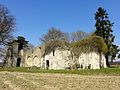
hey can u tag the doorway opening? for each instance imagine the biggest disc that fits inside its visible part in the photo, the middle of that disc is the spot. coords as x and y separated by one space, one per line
18 62
47 64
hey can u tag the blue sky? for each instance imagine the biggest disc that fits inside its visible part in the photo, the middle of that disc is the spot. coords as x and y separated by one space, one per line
35 17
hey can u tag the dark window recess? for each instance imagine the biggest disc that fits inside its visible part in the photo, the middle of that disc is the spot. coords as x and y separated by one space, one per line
53 52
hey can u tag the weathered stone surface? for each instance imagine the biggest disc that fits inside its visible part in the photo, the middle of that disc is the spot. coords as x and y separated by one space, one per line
33 57
58 59
92 60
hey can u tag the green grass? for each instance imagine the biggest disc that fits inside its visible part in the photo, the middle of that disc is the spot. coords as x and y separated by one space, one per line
103 71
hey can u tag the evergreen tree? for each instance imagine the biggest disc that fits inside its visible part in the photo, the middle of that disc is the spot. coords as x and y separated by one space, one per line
22 43
104 30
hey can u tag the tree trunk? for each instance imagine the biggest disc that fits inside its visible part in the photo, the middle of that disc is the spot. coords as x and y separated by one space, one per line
107 63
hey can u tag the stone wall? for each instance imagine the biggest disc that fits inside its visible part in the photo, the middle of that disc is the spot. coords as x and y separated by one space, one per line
57 59
92 60
32 57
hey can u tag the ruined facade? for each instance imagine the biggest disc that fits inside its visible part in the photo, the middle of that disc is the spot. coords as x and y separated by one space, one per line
57 54
31 57
57 59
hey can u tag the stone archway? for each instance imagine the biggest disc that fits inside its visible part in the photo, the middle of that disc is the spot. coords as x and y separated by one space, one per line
29 62
36 61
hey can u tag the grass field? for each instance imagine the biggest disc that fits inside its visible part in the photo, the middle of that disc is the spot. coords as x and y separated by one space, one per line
39 79
105 71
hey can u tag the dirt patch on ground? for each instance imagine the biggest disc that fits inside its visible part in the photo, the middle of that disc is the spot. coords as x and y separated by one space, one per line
42 81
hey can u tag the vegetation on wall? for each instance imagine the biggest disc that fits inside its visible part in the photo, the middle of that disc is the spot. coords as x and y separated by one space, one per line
92 43
53 44
89 44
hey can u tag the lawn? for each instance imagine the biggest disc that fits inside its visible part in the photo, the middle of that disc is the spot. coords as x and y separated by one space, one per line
104 71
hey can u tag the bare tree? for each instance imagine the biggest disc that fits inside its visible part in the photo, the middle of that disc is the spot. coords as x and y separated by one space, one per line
54 34
7 26
78 35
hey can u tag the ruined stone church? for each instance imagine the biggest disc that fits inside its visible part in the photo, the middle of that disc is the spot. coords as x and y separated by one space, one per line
55 58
